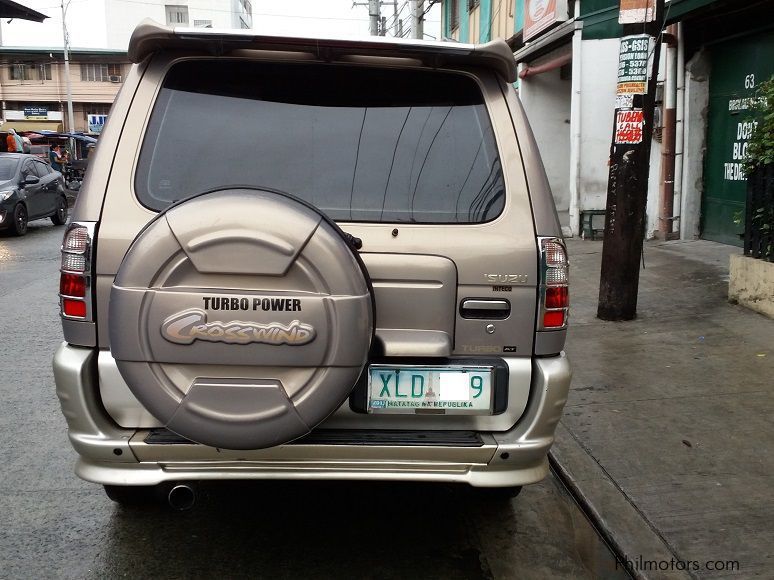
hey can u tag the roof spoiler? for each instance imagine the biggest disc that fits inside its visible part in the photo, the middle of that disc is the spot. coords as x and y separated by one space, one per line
150 37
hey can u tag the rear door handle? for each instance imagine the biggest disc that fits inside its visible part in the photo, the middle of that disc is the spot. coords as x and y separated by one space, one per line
483 308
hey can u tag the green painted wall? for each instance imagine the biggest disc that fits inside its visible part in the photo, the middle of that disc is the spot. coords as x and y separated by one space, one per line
518 16
738 67
446 19
600 19
485 21
592 6
682 7
462 5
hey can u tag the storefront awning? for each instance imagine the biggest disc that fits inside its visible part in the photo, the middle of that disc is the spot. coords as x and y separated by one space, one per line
20 126
10 9
677 9
544 44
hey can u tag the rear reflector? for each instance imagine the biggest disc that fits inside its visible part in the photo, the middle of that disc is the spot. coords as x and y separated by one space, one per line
553 319
74 308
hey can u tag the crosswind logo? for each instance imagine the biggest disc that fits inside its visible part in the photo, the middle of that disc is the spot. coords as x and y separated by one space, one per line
190 325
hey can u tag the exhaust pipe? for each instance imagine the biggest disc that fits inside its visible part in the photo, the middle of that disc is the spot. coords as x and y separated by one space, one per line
181 497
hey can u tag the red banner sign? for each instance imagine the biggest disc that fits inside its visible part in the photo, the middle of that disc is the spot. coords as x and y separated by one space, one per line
628 127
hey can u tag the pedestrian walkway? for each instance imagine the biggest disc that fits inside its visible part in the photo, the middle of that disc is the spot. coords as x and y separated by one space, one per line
668 433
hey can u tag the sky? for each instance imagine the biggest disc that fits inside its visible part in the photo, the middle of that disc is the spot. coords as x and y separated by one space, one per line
329 17
291 17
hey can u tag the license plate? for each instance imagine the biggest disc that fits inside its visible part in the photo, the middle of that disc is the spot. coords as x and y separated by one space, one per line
407 389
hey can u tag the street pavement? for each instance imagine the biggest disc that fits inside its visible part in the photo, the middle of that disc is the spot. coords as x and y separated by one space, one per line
56 526
667 434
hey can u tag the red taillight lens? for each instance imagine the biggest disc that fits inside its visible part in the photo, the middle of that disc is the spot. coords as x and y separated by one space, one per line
72 285
553 319
557 297
75 308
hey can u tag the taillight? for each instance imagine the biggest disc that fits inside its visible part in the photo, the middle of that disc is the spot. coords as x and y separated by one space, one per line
72 285
554 285
75 273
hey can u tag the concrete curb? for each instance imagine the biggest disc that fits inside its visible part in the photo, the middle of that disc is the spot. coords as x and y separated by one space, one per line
614 515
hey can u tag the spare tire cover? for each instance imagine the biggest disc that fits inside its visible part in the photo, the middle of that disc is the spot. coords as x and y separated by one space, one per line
241 318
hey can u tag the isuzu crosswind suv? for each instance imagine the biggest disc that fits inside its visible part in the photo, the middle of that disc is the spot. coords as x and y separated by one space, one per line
313 259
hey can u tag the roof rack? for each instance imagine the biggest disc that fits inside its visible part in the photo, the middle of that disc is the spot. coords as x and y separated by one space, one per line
150 37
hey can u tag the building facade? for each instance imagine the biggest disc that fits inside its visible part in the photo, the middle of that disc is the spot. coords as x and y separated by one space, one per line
33 87
33 90
714 55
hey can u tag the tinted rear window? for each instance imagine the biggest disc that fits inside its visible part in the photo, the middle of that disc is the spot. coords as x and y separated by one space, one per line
361 144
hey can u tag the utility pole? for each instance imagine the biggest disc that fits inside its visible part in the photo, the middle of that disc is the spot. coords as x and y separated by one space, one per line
66 42
627 188
417 9
374 15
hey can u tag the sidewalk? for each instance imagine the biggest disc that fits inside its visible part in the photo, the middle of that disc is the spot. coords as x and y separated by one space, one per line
668 433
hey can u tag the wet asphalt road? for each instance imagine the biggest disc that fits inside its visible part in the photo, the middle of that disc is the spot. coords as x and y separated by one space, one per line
52 525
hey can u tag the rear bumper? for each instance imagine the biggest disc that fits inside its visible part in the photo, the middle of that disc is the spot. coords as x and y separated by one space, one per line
114 455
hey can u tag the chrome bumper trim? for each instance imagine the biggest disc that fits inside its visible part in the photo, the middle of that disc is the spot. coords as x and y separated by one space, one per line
113 455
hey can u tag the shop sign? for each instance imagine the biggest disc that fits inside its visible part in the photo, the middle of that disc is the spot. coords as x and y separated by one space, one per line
633 65
36 112
637 11
741 131
629 127
540 14
734 170
96 122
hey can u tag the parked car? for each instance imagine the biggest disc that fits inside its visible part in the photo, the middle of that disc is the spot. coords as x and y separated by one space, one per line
29 190
358 274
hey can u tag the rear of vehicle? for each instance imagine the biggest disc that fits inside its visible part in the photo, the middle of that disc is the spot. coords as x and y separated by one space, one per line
313 259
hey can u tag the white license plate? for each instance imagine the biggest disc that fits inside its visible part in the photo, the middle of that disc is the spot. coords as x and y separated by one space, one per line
430 390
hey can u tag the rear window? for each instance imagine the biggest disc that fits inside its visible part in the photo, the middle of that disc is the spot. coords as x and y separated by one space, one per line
361 144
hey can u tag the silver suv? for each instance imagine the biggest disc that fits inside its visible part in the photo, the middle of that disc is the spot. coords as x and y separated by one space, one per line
312 259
